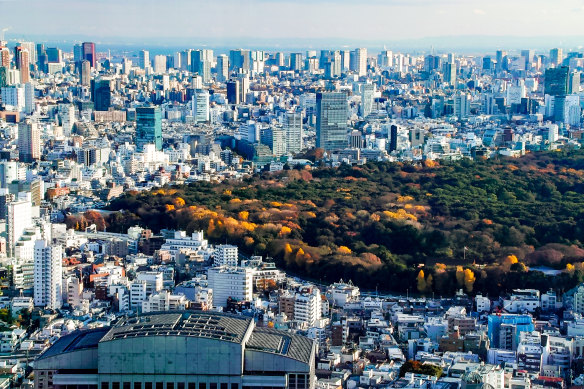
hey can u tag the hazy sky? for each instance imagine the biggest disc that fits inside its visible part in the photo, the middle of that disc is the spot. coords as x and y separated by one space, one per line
370 20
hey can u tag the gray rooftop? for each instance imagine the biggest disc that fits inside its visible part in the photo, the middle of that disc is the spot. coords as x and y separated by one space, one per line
78 340
281 342
225 327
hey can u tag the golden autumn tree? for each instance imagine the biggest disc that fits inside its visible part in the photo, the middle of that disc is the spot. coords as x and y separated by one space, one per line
421 282
459 276
469 280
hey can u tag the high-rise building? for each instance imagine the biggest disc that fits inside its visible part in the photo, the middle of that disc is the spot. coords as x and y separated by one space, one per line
144 59
296 62
574 83
225 255
449 73
293 128
461 105
19 219
78 53
48 275
556 81
233 92
159 64
200 106
331 120
230 282
185 60
29 105
22 60
239 60
367 94
29 141
556 56
85 74
4 57
102 94
222 68
361 62
201 61
54 55
88 49
148 127
31 48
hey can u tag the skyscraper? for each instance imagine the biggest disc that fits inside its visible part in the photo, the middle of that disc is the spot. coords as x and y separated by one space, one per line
102 94
144 59
331 120
233 92
29 141
159 64
239 60
148 127
556 56
201 61
222 68
22 60
89 52
85 74
200 106
556 81
4 57
449 73
367 92
296 62
361 61
293 128
48 275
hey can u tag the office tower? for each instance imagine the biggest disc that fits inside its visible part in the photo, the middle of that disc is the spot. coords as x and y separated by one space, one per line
85 74
102 94
200 106
222 68
529 56
54 55
361 62
19 219
13 95
556 56
431 63
331 63
574 83
67 116
233 92
28 98
293 128
48 275
88 49
201 61
239 60
78 53
29 141
500 54
280 60
258 61
367 92
144 59
393 134
148 127
449 73
225 255
331 120
126 65
31 48
296 62
461 106
504 330
172 62
42 57
22 60
556 81
356 139
345 59
185 60
159 64
4 57
275 139
243 86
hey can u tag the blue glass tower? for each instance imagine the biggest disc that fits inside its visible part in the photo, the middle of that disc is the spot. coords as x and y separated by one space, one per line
148 127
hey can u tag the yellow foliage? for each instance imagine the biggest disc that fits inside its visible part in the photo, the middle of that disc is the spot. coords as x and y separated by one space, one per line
248 240
440 267
227 192
234 201
570 268
284 231
288 248
408 206
421 282
469 280
344 250
511 259
169 207
310 214
179 202
243 215
404 199
459 276
275 204
375 217
400 214
420 208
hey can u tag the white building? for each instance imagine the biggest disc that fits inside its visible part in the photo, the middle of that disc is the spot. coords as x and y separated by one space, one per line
180 242
48 275
307 307
233 282
164 301
225 255
200 106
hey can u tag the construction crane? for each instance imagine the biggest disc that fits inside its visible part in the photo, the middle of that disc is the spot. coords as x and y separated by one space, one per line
3 31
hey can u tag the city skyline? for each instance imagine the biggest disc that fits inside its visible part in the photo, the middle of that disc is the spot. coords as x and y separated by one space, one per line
285 23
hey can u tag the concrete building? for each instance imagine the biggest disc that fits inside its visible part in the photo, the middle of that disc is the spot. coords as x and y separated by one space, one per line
179 350
225 255
233 282
48 275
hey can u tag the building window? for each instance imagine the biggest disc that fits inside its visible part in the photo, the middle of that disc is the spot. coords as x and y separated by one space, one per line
115 385
170 385
212 385
147 385
126 385
224 385
137 385
159 385
105 385
234 386
180 385
202 385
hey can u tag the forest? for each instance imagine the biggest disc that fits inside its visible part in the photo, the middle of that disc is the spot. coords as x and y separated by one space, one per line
430 228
